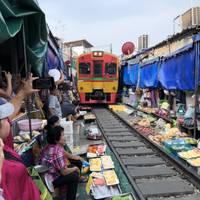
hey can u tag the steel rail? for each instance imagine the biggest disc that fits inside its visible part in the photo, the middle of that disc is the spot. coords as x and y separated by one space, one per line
179 166
184 171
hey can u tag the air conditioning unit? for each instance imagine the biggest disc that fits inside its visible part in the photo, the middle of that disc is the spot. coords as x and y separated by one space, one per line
190 18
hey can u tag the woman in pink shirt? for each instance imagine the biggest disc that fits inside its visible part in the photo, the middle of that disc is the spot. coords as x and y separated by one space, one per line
53 156
15 180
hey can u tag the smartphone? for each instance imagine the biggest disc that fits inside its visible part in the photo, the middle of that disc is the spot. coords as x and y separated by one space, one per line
44 83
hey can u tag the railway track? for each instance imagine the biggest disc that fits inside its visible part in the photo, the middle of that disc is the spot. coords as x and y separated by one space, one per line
153 174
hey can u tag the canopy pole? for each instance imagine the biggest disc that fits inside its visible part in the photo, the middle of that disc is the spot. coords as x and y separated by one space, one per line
28 71
197 46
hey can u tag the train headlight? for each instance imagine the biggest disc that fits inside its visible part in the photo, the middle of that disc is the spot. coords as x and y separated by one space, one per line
100 53
97 53
81 88
114 88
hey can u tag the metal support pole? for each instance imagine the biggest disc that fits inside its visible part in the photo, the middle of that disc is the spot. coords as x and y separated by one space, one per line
197 45
174 24
27 70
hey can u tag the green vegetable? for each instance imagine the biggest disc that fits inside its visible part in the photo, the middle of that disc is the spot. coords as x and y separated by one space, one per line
127 197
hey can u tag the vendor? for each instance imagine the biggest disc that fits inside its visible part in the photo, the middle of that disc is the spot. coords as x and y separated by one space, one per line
54 104
54 157
15 181
67 107
53 122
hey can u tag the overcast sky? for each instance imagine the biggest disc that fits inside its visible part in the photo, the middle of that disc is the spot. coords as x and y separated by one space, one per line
113 21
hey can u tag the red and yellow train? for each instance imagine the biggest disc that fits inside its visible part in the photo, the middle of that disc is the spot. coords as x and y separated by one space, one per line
98 74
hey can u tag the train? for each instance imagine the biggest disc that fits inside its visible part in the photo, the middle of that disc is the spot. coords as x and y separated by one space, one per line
97 77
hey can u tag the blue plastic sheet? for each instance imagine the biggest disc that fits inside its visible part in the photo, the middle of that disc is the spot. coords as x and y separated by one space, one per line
185 77
133 73
196 37
126 77
168 67
149 75
52 59
177 72
130 74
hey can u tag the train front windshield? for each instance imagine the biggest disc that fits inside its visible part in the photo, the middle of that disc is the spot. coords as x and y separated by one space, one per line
84 68
111 69
97 68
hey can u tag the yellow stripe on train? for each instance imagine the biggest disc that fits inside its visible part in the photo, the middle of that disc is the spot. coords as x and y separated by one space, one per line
88 86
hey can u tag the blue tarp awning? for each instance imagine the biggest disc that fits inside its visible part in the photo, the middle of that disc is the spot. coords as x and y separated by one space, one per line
168 67
177 72
130 74
196 37
126 78
149 75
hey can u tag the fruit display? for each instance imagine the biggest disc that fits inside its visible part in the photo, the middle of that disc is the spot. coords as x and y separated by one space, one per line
95 164
120 108
92 149
111 177
145 130
22 141
160 123
191 141
172 132
96 175
181 147
19 147
144 123
194 162
107 162
134 121
89 117
99 181
97 149
101 149
93 133
147 109
194 153
151 119
154 139
162 112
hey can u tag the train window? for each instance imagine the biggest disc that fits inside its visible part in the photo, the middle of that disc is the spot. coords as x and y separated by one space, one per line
111 68
84 68
97 68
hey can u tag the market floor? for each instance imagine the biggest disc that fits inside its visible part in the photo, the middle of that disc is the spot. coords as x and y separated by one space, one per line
84 143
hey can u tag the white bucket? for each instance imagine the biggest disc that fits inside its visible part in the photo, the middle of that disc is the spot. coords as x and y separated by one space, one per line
198 124
68 132
69 141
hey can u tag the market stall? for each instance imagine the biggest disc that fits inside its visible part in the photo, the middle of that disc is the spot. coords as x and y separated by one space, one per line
180 145
170 84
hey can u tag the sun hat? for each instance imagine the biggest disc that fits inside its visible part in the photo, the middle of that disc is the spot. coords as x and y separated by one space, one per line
6 108
55 74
